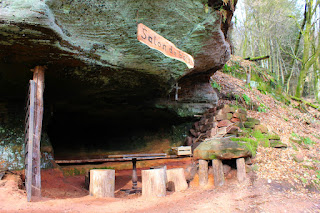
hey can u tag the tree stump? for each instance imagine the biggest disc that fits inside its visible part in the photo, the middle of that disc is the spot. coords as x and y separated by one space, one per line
154 182
176 180
102 182
241 169
218 172
203 172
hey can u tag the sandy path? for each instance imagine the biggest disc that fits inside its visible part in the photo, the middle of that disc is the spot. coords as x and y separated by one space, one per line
252 196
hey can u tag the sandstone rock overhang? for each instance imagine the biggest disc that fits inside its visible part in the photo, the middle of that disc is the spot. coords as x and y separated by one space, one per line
92 44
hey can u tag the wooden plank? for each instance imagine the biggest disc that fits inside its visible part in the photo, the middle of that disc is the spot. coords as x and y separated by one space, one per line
155 41
30 142
241 170
203 172
113 159
38 77
218 172
184 150
137 155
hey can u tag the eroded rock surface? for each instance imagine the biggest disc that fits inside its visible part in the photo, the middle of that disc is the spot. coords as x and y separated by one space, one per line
94 42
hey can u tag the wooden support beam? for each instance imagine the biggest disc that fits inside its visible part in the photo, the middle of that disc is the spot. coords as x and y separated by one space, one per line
38 78
203 172
30 141
241 170
218 172
101 160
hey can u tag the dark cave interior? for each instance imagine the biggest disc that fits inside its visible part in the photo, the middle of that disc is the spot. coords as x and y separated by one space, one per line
80 126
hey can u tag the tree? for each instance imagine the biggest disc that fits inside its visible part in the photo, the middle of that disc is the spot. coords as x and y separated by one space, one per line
309 57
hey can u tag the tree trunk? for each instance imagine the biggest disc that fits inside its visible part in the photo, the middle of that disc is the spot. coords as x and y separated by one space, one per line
176 180
218 172
102 182
308 58
296 48
241 169
38 77
154 182
203 172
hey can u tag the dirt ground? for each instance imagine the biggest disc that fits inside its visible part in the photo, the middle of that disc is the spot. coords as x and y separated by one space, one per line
67 194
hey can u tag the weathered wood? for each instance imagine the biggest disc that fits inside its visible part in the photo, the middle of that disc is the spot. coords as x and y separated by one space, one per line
138 155
102 182
203 172
241 169
30 140
38 77
100 160
176 180
218 172
153 183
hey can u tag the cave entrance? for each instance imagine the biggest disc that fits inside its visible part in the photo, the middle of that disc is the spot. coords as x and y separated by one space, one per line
85 135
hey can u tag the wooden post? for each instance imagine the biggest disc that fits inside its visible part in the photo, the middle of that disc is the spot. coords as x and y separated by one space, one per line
134 173
153 183
29 141
102 182
241 169
218 172
38 77
203 172
176 180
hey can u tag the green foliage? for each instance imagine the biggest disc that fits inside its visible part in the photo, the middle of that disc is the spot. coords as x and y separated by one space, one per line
212 157
249 143
305 140
294 146
265 142
262 108
233 70
254 139
105 167
318 174
215 85
246 99
74 171
258 135
308 141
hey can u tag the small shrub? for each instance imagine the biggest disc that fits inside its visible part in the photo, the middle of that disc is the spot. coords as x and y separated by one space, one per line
76 171
308 141
246 99
262 108
215 85
304 140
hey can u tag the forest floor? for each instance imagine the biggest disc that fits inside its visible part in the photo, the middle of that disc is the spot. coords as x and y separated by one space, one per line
280 180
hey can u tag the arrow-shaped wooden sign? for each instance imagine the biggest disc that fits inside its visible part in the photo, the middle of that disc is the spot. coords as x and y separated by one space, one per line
156 41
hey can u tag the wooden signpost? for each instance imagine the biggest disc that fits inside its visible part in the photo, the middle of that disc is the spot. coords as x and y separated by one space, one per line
33 134
155 41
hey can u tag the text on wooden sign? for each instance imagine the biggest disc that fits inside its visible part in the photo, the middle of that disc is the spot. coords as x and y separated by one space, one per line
156 41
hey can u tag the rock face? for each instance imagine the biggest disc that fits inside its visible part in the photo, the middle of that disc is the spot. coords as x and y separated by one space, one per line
95 42
222 148
99 77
